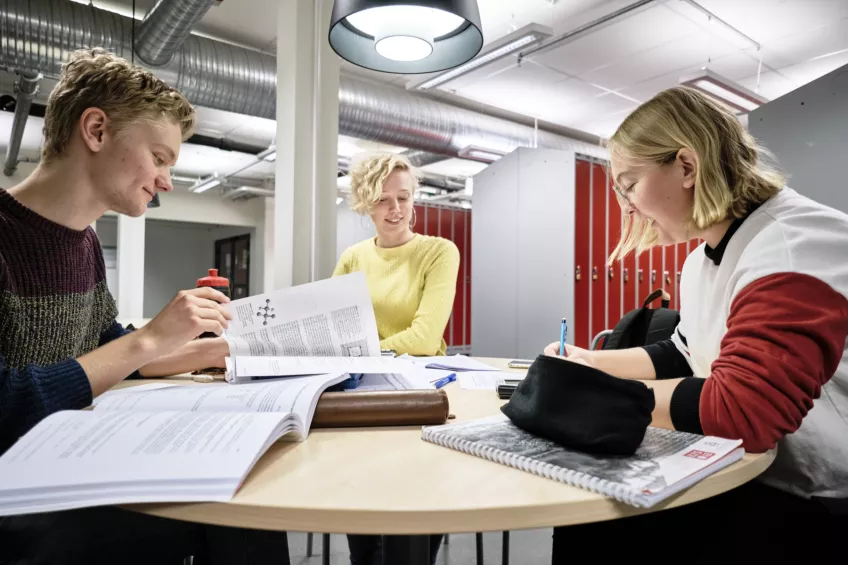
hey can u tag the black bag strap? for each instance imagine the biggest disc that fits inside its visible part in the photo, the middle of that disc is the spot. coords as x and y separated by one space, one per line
656 294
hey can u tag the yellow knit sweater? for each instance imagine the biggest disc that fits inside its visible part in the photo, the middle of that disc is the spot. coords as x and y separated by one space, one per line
412 289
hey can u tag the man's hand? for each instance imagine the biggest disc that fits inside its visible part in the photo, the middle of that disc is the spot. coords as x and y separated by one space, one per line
189 314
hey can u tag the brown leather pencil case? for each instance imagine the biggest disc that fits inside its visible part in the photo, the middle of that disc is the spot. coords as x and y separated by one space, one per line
381 408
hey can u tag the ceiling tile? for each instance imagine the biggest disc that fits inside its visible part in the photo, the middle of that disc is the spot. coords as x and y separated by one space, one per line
771 85
641 32
678 55
770 20
808 43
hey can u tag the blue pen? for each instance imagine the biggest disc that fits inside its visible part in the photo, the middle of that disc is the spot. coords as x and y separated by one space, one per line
562 333
444 381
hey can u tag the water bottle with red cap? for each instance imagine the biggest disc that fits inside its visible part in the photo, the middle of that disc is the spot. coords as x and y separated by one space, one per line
220 284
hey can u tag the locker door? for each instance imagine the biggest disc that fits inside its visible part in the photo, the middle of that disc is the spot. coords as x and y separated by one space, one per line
640 267
582 268
467 340
656 278
598 318
617 282
431 222
446 231
458 317
420 221
682 252
670 273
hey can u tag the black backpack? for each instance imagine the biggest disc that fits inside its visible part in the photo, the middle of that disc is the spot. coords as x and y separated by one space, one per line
644 325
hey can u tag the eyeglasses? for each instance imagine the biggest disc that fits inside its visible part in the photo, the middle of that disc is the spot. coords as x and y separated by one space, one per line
623 193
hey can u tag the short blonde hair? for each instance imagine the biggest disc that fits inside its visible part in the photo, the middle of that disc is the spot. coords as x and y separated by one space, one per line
368 173
731 175
94 78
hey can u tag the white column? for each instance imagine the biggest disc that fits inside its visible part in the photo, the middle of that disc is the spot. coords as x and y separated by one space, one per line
268 257
307 139
130 267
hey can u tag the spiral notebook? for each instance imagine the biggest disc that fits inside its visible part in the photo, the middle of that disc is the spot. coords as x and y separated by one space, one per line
666 462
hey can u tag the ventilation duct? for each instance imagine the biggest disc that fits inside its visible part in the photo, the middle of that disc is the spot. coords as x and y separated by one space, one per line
420 158
166 27
35 35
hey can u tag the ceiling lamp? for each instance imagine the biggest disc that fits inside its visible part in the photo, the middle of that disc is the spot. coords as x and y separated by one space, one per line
204 184
482 154
407 36
724 90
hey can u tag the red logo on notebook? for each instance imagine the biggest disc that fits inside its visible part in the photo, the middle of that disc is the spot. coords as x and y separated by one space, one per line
702 455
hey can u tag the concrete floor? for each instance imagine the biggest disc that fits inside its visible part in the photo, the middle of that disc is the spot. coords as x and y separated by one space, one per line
526 547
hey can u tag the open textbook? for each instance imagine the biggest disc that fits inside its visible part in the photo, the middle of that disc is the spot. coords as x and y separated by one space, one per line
155 443
328 318
667 461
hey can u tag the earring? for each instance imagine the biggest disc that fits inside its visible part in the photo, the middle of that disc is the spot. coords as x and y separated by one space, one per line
412 223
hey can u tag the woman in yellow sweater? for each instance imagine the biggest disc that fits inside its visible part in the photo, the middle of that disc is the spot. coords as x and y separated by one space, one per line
411 278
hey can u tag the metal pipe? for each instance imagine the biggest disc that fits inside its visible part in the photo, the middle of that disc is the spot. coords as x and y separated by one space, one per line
420 158
38 35
165 27
26 88
579 31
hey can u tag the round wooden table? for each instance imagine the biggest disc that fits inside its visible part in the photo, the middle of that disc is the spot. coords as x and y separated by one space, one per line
389 481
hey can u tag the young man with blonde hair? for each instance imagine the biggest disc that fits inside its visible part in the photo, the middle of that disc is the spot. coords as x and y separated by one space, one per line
111 133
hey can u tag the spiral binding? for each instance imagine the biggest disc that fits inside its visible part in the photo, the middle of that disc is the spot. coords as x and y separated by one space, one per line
617 491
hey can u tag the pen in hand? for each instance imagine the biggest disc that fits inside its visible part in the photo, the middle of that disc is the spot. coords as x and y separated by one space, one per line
562 335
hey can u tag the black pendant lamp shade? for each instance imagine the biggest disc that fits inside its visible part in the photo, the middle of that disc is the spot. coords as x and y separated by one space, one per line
406 36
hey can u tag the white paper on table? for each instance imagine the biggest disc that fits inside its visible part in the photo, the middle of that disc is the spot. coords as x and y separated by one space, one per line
327 318
244 368
453 363
485 380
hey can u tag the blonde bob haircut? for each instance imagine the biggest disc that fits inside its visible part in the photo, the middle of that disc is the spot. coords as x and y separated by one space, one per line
367 175
730 178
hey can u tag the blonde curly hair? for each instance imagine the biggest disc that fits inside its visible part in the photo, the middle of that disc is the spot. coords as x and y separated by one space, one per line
95 78
734 172
367 174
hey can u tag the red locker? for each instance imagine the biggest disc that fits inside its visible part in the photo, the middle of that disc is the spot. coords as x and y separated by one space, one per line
457 332
656 277
670 273
420 222
682 253
582 267
467 340
617 282
431 222
640 273
598 317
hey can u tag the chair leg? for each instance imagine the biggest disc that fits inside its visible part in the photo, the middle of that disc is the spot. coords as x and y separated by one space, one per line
479 548
309 544
505 549
325 551
446 540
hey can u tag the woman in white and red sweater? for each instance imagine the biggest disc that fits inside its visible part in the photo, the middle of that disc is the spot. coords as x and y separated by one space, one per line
759 351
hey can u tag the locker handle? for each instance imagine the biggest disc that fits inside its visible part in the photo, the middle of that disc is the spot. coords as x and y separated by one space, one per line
626 275
594 273
653 276
577 273
611 273
641 275
678 277
667 277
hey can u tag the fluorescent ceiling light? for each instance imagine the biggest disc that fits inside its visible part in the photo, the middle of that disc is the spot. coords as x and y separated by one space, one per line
476 153
269 154
724 90
206 183
406 37
507 45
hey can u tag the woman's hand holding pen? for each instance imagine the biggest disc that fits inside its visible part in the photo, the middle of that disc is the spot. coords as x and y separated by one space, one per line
575 354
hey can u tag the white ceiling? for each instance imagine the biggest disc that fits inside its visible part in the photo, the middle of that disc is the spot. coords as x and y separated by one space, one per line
589 84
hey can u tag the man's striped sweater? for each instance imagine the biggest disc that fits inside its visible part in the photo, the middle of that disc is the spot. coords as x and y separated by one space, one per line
54 307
